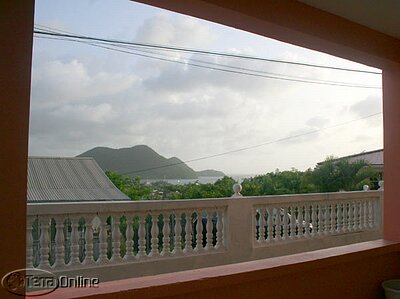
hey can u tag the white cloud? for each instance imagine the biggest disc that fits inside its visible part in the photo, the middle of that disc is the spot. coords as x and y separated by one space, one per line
56 82
119 100
175 31
370 105
318 122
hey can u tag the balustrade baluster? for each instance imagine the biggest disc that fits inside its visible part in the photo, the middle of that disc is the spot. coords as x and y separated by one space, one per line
285 223
333 219
60 238
371 214
292 223
307 220
44 243
278 228
142 236
220 227
261 223
300 224
320 228
74 241
116 239
355 216
328 222
103 240
350 217
378 206
360 214
345 227
89 258
199 232
178 232
314 219
29 243
188 232
270 227
339 217
129 238
154 235
365 214
377 212
166 233
209 227
256 213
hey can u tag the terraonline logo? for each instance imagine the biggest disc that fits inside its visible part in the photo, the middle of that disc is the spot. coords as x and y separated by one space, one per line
32 282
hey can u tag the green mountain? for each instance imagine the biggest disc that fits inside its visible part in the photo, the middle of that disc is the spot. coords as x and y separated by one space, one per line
140 160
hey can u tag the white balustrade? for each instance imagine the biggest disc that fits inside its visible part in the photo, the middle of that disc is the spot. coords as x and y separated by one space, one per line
199 230
316 217
91 235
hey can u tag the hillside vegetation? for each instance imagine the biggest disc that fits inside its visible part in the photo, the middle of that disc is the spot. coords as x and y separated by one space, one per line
330 176
141 160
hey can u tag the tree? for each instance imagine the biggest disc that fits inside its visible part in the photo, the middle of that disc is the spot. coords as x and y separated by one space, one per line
132 187
339 174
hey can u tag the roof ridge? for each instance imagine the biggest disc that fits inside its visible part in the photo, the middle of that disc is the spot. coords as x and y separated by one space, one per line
51 157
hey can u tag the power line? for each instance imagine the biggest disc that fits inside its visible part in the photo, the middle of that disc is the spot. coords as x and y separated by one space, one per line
242 71
181 49
254 146
97 42
270 76
306 80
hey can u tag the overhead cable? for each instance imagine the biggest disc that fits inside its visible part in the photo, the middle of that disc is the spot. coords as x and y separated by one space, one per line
198 51
254 146
254 73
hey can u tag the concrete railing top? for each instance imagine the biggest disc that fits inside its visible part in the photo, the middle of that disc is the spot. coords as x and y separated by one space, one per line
160 205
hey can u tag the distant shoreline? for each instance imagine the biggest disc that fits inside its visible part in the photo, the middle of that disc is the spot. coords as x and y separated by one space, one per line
200 180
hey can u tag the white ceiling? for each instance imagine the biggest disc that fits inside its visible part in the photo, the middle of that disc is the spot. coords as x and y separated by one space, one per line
380 15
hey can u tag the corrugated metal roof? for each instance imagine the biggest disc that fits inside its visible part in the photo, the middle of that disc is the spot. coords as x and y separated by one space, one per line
53 179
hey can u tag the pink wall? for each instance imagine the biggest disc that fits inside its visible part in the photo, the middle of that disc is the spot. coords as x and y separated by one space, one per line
16 25
288 21
391 121
353 271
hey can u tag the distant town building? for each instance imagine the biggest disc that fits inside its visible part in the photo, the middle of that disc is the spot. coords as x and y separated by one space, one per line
374 158
60 179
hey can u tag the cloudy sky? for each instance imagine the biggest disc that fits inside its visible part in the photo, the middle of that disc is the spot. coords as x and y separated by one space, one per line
85 96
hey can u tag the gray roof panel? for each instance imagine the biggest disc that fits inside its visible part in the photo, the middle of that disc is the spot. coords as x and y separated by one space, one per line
53 179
